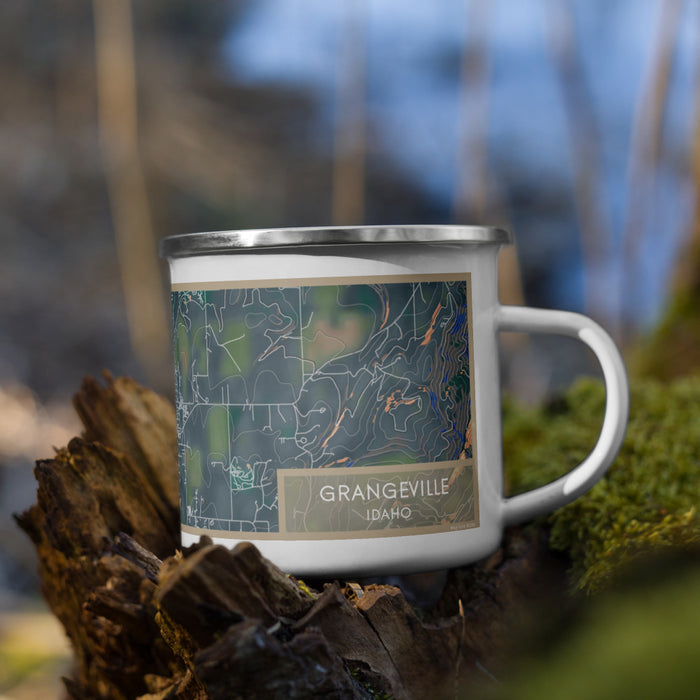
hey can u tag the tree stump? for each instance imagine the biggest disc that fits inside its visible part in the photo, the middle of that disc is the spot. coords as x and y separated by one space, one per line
148 620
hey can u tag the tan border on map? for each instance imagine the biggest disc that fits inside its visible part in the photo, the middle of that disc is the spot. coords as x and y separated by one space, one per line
355 534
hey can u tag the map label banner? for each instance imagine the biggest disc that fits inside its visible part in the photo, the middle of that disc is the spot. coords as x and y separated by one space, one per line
378 501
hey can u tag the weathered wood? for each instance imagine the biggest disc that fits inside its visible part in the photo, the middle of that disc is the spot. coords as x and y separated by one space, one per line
213 588
140 425
88 493
353 639
249 662
149 621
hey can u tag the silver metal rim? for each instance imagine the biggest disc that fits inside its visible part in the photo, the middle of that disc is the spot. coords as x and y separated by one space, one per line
216 242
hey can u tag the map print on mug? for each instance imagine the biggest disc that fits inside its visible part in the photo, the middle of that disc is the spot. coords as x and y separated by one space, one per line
310 409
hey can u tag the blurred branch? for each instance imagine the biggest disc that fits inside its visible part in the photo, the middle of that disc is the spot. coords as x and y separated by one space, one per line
647 139
686 277
673 349
475 199
350 118
687 273
135 240
584 138
471 197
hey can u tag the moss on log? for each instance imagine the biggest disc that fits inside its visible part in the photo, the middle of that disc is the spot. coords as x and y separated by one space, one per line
649 499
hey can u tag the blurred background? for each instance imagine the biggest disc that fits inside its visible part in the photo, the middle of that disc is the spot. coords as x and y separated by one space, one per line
576 123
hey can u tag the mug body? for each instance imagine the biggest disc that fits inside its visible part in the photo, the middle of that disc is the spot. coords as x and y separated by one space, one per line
338 396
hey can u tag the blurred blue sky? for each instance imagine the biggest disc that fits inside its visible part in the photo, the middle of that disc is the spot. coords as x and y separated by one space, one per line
413 102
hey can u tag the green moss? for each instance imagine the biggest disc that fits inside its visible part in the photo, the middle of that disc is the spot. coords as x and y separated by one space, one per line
640 641
648 499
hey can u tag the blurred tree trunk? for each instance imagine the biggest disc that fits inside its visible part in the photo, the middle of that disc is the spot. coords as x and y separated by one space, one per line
350 119
673 348
136 244
584 138
471 202
476 200
646 146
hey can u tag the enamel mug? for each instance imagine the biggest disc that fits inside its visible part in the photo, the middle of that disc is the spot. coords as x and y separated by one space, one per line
338 395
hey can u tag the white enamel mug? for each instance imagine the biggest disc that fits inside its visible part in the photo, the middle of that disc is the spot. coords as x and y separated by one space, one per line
338 395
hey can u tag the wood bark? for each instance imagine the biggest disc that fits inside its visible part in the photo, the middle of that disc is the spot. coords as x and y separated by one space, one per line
149 620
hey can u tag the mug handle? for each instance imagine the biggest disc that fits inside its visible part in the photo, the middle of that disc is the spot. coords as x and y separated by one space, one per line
567 488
